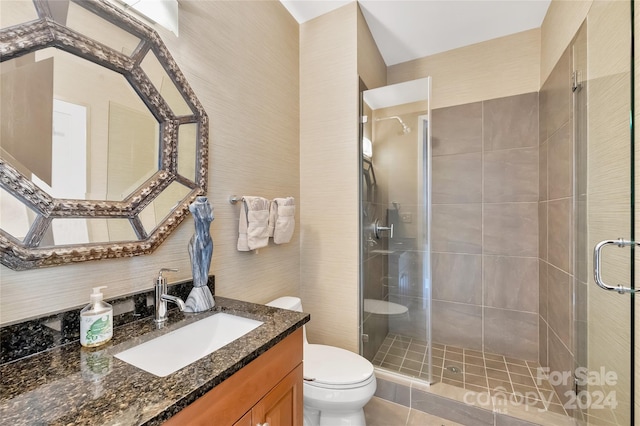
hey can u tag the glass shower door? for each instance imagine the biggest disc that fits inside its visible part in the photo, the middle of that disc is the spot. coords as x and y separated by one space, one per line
601 389
395 272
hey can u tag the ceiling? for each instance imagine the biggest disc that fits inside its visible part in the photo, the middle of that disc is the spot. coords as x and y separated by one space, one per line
409 29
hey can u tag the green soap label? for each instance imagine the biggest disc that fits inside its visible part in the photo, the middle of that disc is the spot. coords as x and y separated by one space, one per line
98 328
95 330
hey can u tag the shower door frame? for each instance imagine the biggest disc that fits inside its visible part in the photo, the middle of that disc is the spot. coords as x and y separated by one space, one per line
424 222
424 187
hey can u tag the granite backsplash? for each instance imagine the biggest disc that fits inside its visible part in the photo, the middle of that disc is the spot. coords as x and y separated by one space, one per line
36 335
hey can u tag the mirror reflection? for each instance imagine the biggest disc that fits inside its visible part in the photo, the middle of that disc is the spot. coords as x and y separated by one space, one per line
15 217
187 143
84 22
154 214
103 144
19 13
158 76
96 140
64 231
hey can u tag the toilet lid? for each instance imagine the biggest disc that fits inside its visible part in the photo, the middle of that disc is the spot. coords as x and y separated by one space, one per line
335 366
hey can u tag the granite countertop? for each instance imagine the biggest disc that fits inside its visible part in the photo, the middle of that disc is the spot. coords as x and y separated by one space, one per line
74 385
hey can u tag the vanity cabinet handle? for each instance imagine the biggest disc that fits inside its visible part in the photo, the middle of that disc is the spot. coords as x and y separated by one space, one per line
263 424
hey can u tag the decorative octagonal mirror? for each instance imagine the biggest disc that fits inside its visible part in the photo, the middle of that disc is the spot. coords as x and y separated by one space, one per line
104 144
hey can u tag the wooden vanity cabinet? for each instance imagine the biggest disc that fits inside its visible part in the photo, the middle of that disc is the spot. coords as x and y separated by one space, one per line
267 390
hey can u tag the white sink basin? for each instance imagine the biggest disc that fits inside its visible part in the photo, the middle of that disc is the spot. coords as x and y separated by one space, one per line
169 353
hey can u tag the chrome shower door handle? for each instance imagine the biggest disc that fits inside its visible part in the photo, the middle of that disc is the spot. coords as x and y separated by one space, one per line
597 267
377 228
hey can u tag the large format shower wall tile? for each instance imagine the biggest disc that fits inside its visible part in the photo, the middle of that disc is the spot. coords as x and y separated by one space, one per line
457 324
560 362
559 233
511 229
511 283
511 333
511 175
457 178
511 122
457 228
560 162
543 340
543 175
542 288
559 303
557 97
542 230
457 277
374 271
457 129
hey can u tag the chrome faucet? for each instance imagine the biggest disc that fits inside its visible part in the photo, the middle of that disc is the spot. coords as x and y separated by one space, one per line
162 297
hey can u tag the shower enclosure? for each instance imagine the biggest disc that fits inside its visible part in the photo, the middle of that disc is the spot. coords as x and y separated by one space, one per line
396 302
498 237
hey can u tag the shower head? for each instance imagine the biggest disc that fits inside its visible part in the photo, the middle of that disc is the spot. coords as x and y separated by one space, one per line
405 129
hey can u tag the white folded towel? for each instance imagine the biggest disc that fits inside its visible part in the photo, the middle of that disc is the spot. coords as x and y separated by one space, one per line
282 220
253 227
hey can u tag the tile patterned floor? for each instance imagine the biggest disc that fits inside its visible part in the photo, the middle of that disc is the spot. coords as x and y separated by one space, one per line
379 412
503 377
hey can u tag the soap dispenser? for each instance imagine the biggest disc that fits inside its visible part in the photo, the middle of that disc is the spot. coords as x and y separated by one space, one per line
96 320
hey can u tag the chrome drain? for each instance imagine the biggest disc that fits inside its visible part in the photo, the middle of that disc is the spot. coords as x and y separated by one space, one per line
453 369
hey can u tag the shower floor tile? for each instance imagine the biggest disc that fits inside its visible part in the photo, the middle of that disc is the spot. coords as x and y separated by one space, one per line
502 377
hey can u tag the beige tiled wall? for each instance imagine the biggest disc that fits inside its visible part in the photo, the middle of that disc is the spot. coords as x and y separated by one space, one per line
558 28
485 221
226 51
335 49
328 176
496 68
371 67
609 200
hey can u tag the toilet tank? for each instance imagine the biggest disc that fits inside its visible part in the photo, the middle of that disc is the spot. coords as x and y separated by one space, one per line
287 302
293 304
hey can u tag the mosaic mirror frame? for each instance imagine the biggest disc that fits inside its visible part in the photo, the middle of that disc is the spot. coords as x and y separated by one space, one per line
45 32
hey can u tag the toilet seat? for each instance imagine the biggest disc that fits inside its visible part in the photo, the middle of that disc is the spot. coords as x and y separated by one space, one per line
333 387
335 368
384 307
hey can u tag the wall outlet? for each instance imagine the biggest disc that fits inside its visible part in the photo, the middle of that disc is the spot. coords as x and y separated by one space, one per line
406 217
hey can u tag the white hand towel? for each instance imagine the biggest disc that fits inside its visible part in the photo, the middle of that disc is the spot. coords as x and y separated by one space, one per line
253 226
273 216
282 219
243 245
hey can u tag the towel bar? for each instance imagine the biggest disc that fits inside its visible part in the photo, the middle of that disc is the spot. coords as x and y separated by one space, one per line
233 199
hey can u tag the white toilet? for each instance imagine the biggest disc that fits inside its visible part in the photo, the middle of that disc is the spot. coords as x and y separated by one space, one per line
337 382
